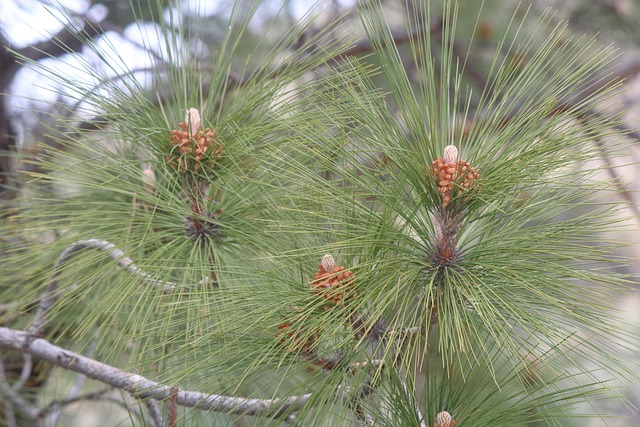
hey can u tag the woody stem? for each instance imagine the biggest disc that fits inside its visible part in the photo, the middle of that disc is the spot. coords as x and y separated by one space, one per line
447 225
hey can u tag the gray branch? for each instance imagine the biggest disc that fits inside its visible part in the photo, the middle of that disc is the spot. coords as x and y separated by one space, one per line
51 292
11 397
144 388
30 343
155 414
102 396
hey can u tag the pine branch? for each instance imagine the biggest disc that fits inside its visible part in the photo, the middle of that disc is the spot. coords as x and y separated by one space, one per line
51 293
10 395
56 407
154 412
54 411
495 267
141 387
172 413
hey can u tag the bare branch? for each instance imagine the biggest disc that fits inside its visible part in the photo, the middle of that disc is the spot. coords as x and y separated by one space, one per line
51 293
12 399
98 396
155 413
26 372
141 387
172 410
145 389
9 312
57 405
73 393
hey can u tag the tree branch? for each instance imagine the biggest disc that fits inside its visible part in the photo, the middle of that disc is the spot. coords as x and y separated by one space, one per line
56 407
139 386
154 412
51 293
12 398
53 414
25 373
145 389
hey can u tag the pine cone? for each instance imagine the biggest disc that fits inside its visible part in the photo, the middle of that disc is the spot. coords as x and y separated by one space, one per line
449 173
294 339
333 283
444 419
191 148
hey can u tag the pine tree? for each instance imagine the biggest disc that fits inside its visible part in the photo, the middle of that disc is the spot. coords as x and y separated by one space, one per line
311 237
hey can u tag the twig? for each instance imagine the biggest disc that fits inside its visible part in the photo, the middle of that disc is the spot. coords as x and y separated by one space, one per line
98 396
57 405
51 293
8 312
27 365
155 414
141 387
13 399
78 384
172 411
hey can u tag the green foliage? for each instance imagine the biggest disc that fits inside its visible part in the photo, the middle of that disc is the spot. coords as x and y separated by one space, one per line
496 306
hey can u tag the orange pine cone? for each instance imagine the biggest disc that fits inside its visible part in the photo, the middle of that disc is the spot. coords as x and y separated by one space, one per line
190 149
332 283
292 339
448 174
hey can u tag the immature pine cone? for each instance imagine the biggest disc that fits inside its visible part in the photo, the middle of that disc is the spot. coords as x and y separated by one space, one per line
191 146
293 340
450 171
444 419
333 283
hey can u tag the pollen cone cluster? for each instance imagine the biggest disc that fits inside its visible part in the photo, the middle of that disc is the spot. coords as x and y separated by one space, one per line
444 419
333 283
294 339
449 172
193 147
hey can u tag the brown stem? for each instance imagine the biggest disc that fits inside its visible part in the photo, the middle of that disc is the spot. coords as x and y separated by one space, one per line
447 225
172 412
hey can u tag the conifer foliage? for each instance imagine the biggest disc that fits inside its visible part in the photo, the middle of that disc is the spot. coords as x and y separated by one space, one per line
320 238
